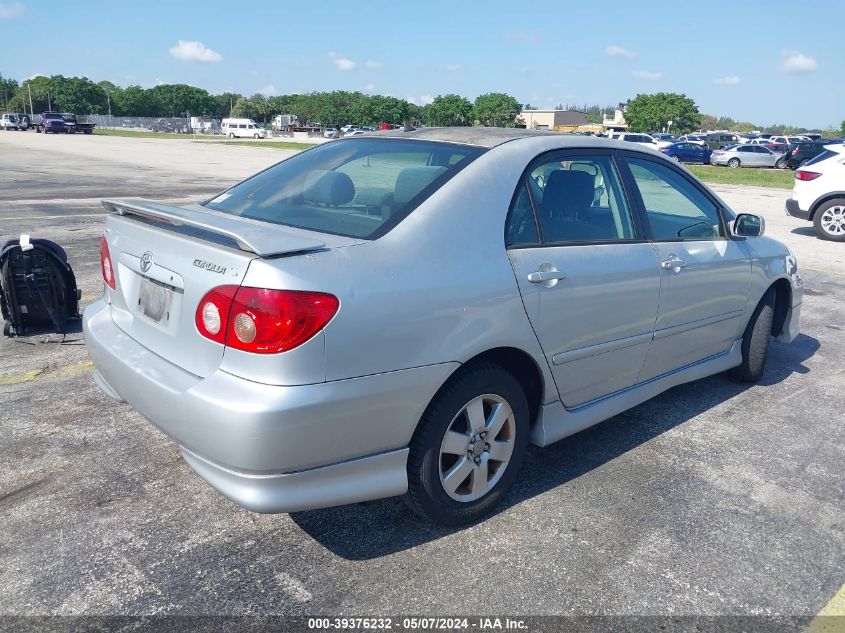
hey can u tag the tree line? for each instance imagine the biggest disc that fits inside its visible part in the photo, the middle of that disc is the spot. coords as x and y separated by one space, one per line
83 96
339 107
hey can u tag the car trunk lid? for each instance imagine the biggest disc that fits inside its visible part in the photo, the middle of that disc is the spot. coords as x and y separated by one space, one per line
166 258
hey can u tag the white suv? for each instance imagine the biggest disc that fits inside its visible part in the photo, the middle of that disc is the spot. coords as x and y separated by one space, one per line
819 193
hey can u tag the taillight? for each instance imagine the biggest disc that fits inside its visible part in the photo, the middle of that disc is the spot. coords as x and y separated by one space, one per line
806 175
212 315
263 321
105 264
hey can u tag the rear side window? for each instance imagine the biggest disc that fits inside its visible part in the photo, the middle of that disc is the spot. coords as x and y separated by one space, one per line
359 187
577 199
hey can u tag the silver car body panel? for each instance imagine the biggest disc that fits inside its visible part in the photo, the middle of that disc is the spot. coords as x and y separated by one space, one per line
434 292
580 337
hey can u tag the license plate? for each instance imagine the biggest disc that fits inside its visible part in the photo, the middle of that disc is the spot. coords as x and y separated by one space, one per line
154 300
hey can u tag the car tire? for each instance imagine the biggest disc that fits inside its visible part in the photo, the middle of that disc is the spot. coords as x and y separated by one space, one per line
781 164
500 426
676 158
755 340
803 162
733 163
829 220
231 136
255 136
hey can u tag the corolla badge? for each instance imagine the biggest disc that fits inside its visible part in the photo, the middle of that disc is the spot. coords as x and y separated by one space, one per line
146 261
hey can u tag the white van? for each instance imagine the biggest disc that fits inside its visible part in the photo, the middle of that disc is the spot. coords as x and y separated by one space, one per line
242 128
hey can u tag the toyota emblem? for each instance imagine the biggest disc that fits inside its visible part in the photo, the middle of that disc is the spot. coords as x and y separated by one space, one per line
146 261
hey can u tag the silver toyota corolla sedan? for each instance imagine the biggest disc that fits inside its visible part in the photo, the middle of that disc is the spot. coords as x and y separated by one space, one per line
402 313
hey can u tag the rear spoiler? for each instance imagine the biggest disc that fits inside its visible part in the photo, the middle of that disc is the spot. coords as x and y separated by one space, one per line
262 238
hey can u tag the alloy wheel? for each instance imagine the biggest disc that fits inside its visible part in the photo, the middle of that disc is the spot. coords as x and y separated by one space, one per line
833 221
477 448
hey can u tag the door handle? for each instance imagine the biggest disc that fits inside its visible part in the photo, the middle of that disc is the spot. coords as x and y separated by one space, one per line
673 263
540 276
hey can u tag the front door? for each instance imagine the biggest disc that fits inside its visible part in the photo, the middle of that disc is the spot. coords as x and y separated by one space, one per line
588 280
704 277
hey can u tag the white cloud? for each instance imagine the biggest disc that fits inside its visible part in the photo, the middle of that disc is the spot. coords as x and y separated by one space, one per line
269 91
420 101
618 51
342 62
727 81
452 68
190 51
369 88
373 64
795 62
11 10
644 74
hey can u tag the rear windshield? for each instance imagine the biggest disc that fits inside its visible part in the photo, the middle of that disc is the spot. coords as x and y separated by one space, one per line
823 156
360 187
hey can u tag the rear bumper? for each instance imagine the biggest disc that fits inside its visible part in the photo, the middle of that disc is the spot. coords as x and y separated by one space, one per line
796 211
271 448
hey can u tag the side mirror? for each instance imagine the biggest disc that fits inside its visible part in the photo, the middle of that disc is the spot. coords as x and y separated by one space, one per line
749 225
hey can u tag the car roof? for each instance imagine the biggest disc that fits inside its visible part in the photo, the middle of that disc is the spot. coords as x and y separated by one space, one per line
481 136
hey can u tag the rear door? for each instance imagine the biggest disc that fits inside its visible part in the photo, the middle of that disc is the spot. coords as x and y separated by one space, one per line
705 275
588 280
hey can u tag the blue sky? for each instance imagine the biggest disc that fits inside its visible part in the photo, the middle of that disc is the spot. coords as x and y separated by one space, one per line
767 61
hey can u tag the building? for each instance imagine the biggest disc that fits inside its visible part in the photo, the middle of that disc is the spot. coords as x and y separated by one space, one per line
556 120
617 123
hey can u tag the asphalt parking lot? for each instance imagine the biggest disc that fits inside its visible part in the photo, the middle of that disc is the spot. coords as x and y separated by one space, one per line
713 498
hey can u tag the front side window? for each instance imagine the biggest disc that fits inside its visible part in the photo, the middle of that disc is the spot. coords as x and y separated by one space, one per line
360 187
675 208
580 199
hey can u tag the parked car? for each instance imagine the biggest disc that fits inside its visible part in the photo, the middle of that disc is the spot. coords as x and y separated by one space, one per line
52 122
330 133
357 132
75 126
779 148
719 140
242 128
664 140
745 156
9 122
640 139
800 154
818 194
24 122
787 140
688 152
693 138
292 377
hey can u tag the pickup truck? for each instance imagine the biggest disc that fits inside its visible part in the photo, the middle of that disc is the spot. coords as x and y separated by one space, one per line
51 122
64 122
75 126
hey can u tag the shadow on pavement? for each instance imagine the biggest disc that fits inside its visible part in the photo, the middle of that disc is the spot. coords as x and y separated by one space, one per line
379 528
804 230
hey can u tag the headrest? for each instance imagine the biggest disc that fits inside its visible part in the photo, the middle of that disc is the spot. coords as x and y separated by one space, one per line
373 197
328 187
412 180
568 191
